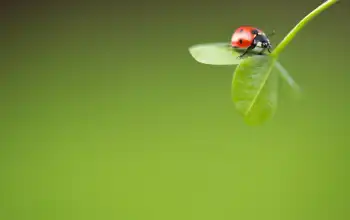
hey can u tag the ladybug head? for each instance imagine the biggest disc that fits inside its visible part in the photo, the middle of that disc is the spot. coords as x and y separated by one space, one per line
263 41
266 44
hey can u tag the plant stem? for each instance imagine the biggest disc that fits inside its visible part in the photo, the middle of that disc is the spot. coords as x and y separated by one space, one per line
300 25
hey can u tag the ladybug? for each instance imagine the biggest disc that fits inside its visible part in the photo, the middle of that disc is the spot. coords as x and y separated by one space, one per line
248 38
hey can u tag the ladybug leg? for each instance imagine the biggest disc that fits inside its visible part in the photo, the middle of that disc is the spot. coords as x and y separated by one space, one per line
251 47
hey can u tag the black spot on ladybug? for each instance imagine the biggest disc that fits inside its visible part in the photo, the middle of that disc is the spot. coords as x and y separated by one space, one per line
241 30
240 41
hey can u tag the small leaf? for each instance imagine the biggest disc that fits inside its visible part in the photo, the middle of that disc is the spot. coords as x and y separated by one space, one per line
289 80
255 89
219 53
214 54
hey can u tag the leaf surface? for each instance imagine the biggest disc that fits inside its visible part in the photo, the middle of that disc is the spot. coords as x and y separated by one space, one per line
255 89
214 54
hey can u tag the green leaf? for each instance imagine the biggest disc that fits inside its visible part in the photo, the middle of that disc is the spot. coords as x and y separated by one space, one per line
214 54
219 53
289 80
255 89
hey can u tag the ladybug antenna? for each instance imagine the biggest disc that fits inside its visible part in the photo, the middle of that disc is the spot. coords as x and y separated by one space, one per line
273 33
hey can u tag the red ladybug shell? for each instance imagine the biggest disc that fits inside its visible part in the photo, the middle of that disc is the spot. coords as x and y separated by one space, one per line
243 37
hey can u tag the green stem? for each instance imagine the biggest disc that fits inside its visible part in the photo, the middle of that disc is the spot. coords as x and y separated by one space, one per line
300 25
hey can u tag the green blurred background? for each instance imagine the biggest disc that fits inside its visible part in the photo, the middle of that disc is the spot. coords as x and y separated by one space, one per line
105 115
